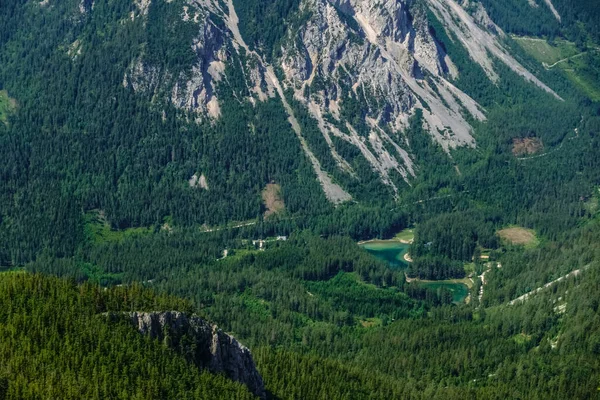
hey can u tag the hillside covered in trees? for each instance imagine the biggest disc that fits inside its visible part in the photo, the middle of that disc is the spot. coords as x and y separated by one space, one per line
57 342
315 337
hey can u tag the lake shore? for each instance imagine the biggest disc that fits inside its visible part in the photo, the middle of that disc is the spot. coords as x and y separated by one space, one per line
396 252
381 241
464 281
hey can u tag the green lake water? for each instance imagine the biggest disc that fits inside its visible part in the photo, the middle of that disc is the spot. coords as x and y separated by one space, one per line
458 290
392 252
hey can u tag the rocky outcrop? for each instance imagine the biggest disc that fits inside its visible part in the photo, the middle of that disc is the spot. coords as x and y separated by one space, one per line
381 55
192 90
203 344
198 182
85 6
376 56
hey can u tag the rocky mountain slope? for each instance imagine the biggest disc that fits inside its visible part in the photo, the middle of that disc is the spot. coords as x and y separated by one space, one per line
184 111
338 58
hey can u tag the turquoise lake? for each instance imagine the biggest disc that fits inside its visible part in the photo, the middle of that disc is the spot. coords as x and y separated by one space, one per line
393 251
390 251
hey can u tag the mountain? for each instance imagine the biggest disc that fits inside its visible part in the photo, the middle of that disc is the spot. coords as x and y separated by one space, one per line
360 69
381 199
185 111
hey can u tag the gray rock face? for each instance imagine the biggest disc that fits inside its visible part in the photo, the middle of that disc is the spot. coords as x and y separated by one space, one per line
194 92
203 344
380 54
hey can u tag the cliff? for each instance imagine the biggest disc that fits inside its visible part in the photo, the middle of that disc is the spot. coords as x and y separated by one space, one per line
204 344
339 56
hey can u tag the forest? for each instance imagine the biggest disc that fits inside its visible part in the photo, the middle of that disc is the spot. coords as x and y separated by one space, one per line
311 338
55 343
97 214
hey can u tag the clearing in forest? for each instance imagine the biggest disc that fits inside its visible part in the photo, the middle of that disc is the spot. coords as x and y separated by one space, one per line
407 236
526 146
97 229
519 236
370 322
581 67
271 196
545 52
7 105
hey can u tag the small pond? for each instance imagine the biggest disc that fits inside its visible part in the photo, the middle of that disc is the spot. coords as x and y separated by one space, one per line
393 251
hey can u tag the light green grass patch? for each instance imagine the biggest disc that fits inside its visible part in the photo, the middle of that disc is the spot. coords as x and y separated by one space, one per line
97 230
580 67
7 106
522 338
406 236
545 52
236 254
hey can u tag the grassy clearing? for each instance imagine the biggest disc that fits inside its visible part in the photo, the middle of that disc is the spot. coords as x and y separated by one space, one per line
237 254
519 236
406 236
522 338
272 200
581 67
371 322
98 230
7 106
544 52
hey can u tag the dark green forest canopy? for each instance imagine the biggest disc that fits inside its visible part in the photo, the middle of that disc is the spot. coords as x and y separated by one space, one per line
56 342
578 19
551 338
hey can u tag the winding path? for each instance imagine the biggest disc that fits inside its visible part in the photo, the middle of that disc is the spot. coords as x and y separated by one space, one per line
527 295
569 58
